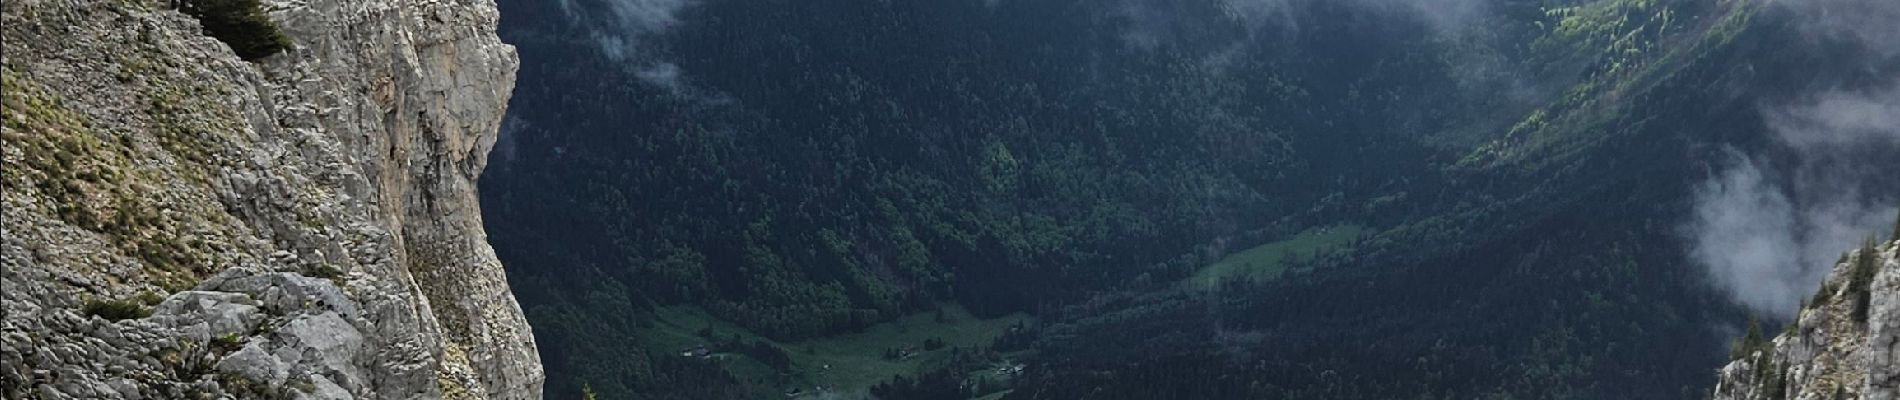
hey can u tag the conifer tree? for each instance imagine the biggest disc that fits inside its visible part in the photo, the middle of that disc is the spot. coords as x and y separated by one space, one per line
1750 341
1896 227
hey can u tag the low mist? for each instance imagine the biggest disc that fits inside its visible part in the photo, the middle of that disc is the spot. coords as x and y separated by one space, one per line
1768 227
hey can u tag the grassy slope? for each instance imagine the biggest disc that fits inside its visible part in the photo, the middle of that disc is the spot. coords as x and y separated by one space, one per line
1630 46
1263 262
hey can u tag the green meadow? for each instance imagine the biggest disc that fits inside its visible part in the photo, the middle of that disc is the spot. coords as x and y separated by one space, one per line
1267 262
848 363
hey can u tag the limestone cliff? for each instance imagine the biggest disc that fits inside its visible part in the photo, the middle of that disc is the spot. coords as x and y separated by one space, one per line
1842 346
180 223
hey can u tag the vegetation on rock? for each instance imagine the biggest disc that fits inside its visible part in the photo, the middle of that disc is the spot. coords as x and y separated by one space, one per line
114 310
240 24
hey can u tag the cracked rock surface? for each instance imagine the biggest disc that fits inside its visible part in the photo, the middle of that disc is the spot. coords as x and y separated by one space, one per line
181 224
1842 346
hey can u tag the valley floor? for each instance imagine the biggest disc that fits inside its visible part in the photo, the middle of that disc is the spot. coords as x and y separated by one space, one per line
841 364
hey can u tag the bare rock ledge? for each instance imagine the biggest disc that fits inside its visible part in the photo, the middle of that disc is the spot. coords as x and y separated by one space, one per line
182 224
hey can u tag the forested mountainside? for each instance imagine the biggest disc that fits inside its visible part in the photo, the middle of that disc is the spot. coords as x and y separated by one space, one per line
1437 199
1841 344
228 199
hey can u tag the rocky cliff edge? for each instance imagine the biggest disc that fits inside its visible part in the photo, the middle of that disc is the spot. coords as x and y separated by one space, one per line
180 223
1842 346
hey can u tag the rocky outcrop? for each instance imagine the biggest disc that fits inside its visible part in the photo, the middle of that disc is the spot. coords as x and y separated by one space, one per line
1842 346
180 223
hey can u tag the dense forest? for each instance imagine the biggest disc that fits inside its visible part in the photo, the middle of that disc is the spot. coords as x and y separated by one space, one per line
802 170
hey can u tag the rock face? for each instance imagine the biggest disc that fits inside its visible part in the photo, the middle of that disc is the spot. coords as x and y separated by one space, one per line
1843 345
180 223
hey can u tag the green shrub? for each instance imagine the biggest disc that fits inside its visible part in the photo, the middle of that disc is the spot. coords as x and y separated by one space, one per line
1861 278
149 298
226 343
1896 229
325 271
1863 302
244 388
114 310
240 24
1751 342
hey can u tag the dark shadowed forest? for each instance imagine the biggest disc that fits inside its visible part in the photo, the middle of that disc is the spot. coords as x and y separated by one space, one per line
1142 199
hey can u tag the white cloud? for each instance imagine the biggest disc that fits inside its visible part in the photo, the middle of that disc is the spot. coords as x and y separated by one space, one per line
1769 228
1768 239
1744 234
1840 118
621 29
1871 23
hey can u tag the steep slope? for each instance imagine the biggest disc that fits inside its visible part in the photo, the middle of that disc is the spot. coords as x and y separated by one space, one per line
808 176
1844 345
1543 266
181 223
